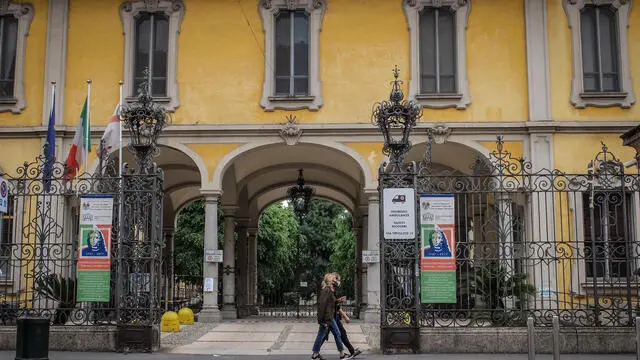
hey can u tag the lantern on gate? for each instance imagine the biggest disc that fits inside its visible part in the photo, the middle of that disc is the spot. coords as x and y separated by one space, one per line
396 118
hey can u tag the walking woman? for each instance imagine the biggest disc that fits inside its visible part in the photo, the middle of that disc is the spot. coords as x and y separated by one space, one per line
326 317
339 316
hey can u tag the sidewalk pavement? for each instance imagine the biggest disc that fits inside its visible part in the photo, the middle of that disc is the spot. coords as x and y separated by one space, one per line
10 355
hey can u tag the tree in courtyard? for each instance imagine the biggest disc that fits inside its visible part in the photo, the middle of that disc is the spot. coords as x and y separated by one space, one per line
344 252
189 242
277 258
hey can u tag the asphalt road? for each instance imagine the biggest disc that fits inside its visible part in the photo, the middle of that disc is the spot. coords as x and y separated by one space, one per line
10 355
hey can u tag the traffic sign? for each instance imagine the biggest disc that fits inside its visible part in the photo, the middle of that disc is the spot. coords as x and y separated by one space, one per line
4 195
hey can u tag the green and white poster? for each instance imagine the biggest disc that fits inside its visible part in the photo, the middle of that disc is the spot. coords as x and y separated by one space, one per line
438 249
94 248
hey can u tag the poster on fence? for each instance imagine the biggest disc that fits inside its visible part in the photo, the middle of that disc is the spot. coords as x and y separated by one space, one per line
94 248
438 249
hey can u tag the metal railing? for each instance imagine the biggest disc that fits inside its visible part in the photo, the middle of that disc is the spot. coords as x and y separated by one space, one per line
539 244
187 292
39 245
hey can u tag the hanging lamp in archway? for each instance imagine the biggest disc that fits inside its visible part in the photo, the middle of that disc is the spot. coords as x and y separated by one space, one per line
300 196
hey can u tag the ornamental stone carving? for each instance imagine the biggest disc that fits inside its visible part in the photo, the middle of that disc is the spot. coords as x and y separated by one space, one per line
290 132
454 4
295 4
440 134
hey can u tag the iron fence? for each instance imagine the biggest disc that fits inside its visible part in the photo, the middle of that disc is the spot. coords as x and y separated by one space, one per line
187 292
537 243
39 247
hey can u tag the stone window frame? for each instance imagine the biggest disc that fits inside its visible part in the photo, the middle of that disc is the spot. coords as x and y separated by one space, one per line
268 10
24 13
462 98
625 98
129 10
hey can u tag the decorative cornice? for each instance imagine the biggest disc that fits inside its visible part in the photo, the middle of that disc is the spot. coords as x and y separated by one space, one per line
153 5
222 131
616 3
632 138
7 7
293 4
453 4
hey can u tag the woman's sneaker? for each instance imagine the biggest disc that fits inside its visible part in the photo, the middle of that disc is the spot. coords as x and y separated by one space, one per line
319 357
356 352
345 357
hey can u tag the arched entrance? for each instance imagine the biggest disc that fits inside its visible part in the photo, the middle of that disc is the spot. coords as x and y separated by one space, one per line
257 178
182 174
294 254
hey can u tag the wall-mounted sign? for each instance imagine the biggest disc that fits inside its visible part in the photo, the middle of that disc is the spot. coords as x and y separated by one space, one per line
208 285
4 195
370 256
399 213
213 255
546 292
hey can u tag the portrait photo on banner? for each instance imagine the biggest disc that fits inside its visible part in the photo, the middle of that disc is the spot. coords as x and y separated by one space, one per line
438 242
95 241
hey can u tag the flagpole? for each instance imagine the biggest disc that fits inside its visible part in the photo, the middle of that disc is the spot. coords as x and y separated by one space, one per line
120 132
87 127
53 94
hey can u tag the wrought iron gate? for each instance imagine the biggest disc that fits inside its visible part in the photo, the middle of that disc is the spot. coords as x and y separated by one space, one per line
399 262
39 247
529 243
139 259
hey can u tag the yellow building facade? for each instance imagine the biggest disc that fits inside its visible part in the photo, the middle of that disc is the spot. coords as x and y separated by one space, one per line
245 118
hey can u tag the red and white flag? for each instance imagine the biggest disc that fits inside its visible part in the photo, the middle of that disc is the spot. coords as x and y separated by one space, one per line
81 145
111 137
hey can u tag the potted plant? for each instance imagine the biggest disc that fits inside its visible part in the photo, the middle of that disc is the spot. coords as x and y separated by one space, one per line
60 289
494 283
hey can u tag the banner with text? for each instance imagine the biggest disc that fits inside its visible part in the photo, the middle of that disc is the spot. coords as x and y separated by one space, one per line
94 248
438 249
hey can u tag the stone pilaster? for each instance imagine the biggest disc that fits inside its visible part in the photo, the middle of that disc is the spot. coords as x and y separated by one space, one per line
242 268
372 313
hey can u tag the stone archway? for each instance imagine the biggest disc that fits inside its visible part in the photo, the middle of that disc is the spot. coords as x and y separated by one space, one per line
256 175
183 173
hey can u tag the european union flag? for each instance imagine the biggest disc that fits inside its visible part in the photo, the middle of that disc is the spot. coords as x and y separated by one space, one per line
50 146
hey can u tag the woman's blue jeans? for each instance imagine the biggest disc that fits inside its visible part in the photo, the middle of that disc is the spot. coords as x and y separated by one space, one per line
322 332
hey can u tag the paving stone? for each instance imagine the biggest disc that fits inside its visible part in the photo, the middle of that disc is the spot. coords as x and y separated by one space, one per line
241 337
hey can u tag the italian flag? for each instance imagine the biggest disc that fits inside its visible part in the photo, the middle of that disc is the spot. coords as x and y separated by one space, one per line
81 145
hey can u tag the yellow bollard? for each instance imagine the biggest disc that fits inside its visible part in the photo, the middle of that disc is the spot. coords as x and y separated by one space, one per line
170 322
186 316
